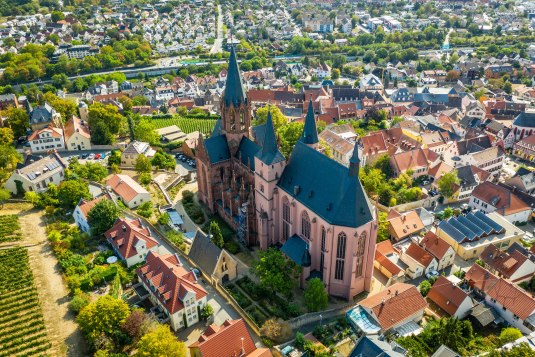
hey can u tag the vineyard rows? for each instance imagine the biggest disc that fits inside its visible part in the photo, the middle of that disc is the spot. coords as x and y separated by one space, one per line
187 125
22 328
9 228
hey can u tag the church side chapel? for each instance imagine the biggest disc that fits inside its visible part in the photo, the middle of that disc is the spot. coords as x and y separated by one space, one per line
310 206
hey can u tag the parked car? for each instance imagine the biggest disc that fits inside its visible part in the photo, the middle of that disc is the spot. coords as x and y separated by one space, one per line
103 155
84 156
97 156
431 274
91 156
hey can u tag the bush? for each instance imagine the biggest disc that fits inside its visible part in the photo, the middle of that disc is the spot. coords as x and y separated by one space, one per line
145 209
232 247
145 178
78 302
276 330
187 197
509 334
424 287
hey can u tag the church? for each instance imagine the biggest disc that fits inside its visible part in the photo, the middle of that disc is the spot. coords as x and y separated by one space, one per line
310 206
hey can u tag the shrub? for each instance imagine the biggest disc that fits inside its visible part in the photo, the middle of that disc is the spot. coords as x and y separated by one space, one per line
232 247
276 330
187 197
424 287
145 178
145 209
78 302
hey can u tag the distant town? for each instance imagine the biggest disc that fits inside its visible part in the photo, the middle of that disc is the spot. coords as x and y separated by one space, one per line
273 178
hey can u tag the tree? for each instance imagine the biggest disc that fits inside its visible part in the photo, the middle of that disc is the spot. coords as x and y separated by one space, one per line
102 317
289 134
57 16
143 164
18 120
207 311
6 136
383 233
275 271
71 191
145 178
276 115
277 330
160 342
453 76
509 334
107 114
335 73
114 158
101 135
136 324
145 209
383 164
163 161
316 297
146 131
102 216
424 287
9 157
508 87
447 183
216 235
92 171
65 107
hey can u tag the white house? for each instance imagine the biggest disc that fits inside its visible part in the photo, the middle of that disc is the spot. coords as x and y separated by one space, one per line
46 139
419 261
36 174
489 197
133 150
439 248
82 210
77 136
516 264
450 298
173 289
129 191
131 241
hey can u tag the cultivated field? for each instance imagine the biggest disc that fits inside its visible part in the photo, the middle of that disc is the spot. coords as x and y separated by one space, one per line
187 125
22 328
9 228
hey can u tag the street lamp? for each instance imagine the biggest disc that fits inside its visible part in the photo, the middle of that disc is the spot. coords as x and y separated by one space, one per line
321 320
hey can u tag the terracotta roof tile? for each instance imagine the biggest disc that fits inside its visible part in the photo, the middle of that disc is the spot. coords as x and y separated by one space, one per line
480 278
434 245
513 298
504 263
395 304
125 235
419 254
85 206
56 133
76 125
408 223
447 295
497 196
125 187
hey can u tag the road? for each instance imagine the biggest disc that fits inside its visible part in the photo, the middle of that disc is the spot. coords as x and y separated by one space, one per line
218 44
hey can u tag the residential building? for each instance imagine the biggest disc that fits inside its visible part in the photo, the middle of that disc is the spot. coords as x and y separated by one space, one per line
480 280
214 262
227 340
131 193
341 149
291 205
131 241
77 135
81 211
489 197
470 234
525 148
404 225
418 161
470 177
373 346
398 308
42 116
450 298
523 180
46 139
439 249
36 173
173 289
370 82
419 262
133 150
514 264
388 263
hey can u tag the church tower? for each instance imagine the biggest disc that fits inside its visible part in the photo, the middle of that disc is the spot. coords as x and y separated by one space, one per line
269 164
310 132
235 106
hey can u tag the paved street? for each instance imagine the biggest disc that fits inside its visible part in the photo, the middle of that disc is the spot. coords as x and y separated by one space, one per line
218 44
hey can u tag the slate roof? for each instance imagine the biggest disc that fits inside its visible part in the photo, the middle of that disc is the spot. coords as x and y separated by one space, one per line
297 250
305 176
217 148
310 133
217 128
259 131
525 120
42 114
204 253
372 346
270 153
234 92
247 151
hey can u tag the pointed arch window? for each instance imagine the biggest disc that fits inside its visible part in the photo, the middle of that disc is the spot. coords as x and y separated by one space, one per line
340 256
323 248
285 219
361 245
305 225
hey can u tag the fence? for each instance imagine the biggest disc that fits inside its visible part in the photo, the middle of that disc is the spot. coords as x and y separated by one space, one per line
426 203
312 317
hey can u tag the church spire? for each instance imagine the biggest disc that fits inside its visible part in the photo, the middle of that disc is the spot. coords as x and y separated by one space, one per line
310 133
270 153
354 162
234 91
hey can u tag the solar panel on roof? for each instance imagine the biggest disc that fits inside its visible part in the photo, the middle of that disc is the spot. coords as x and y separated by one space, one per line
31 175
473 227
488 229
489 222
452 232
463 229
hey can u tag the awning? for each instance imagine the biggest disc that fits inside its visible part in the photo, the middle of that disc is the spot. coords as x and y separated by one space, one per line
409 329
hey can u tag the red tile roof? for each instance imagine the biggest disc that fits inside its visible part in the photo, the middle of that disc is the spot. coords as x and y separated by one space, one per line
435 245
55 132
226 340
408 223
506 203
447 295
125 187
513 298
395 304
170 279
480 278
419 254
126 234
504 263
76 125
85 206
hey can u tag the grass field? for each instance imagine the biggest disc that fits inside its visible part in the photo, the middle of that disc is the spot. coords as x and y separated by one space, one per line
187 125
9 228
22 329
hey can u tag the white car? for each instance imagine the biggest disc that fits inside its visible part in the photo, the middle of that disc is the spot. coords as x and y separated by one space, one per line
432 273
91 156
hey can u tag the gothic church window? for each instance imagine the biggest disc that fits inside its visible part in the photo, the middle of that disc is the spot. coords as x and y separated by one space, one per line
361 244
285 219
305 225
340 256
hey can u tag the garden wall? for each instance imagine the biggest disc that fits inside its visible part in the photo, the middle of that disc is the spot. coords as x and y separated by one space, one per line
426 203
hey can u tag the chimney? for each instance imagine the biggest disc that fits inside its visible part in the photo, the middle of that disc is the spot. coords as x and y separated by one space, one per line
124 228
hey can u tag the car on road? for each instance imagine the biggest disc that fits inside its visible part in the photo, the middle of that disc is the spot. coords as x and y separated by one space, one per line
97 156
84 156
432 274
91 156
